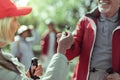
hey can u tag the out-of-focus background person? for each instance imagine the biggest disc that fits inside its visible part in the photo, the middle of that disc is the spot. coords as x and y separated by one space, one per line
22 47
48 43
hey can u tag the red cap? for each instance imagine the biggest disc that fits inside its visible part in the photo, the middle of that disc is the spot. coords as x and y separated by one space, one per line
9 9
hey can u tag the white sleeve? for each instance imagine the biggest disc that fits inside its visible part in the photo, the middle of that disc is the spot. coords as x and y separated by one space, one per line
57 69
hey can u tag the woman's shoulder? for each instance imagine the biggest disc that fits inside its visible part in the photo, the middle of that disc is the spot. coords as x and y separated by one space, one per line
7 74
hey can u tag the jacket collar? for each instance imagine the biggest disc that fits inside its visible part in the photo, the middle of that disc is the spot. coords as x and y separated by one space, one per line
6 62
94 14
112 19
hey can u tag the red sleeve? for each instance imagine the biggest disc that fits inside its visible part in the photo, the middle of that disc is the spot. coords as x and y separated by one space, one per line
44 44
78 34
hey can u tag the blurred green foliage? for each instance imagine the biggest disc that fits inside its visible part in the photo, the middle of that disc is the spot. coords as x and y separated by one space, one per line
62 12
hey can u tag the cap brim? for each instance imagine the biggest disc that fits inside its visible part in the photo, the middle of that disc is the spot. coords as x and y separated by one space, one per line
21 11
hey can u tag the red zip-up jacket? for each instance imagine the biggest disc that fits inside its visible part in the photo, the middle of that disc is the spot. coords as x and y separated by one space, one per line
85 35
45 44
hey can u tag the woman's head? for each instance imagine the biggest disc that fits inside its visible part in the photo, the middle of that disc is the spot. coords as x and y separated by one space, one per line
8 28
9 24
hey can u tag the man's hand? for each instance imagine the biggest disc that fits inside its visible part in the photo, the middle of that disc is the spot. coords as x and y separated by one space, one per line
114 76
65 41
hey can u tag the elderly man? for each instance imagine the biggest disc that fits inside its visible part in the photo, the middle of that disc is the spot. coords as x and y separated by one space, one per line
97 43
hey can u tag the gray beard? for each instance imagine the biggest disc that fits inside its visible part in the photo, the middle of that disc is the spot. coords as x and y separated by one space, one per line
103 10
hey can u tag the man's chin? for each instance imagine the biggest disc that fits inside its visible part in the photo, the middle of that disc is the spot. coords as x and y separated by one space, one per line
104 10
